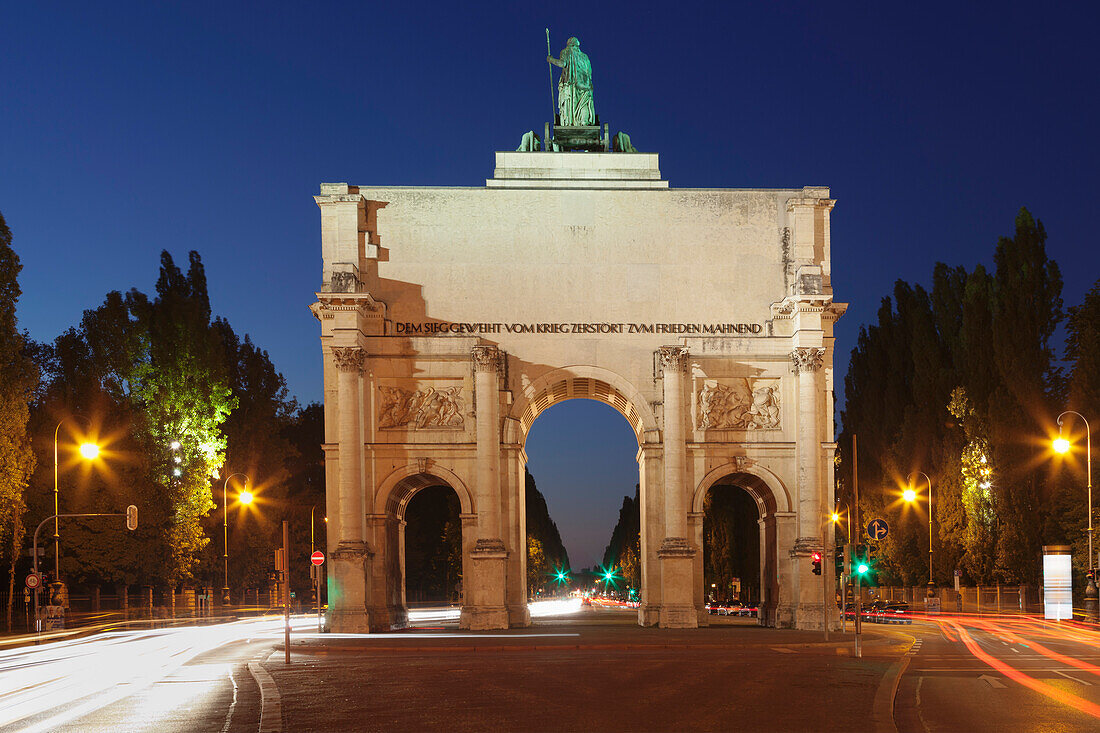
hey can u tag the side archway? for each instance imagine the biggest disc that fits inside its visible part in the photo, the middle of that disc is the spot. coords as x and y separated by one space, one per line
773 504
396 489
391 502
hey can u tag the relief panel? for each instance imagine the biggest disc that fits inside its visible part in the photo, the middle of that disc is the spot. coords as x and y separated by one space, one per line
738 404
426 407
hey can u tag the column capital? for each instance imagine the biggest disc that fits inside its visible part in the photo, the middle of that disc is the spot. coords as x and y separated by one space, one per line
348 358
807 359
488 359
672 358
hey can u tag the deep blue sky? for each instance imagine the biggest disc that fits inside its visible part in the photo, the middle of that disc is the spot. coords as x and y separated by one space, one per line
127 128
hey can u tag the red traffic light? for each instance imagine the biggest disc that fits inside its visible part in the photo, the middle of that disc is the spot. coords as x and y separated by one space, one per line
817 557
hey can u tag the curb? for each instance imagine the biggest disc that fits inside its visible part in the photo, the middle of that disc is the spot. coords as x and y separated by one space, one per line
271 703
468 648
882 711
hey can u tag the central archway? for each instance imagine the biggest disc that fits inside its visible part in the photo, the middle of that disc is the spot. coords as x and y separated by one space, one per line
601 385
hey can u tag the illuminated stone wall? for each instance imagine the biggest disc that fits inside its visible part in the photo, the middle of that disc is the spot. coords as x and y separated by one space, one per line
451 317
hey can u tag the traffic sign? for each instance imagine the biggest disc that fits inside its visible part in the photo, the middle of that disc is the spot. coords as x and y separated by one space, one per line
317 558
34 581
877 529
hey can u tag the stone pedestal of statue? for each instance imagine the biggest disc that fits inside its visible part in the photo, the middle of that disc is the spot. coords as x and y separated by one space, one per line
591 138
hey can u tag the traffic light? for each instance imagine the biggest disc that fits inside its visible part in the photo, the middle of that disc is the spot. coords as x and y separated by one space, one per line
863 561
816 557
838 560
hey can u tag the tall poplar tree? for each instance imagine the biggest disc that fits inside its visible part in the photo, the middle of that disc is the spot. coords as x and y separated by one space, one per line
18 379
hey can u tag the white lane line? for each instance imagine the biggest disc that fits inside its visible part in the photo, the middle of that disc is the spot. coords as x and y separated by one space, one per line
232 705
783 650
1070 677
271 703
1014 649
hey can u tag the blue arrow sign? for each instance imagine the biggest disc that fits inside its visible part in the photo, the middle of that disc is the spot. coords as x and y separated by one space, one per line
877 529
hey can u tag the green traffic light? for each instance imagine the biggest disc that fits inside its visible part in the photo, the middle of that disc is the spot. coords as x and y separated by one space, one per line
862 568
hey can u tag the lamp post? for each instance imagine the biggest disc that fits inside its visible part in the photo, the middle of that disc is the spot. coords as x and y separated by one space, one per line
246 498
1061 445
910 495
88 451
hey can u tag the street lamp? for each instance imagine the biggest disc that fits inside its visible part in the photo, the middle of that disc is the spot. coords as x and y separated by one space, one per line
910 495
88 451
835 518
245 498
1061 445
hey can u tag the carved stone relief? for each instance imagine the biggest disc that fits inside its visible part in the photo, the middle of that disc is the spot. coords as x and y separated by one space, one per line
738 404
344 282
423 408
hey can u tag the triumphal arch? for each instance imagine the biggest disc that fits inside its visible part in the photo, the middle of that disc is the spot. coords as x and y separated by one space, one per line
452 317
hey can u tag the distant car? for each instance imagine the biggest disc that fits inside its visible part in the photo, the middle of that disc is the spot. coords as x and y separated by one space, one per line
873 611
897 612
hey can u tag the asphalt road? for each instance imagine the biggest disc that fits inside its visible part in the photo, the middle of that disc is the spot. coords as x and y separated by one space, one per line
591 671
1007 674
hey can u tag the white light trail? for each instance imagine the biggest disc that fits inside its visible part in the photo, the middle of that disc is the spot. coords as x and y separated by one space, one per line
74 677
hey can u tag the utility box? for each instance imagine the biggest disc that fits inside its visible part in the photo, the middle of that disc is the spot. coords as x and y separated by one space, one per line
1057 582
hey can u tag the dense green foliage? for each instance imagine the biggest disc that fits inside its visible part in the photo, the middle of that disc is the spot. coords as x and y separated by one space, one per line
623 551
545 552
433 546
731 544
18 380
962 383
140 375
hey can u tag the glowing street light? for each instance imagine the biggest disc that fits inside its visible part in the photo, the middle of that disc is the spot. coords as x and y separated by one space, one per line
1061 445
910 495
245 497
88 451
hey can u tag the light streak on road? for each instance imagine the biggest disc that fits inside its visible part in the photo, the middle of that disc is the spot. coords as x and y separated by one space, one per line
538 609
560 607
998 628
73 677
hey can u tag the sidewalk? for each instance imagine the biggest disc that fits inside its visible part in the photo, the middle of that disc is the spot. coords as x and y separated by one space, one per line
577 675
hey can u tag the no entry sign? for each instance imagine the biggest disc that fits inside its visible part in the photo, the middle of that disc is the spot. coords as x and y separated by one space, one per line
317 558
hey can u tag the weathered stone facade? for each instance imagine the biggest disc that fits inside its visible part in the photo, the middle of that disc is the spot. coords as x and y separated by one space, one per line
452 317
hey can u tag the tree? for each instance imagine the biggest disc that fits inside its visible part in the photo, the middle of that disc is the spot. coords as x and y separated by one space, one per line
538 568
954 384
542 527
18 380
623 549
1083 354
152 373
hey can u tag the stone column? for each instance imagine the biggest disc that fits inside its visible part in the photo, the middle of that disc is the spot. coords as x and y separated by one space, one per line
676 553
485 593
350 561
807 364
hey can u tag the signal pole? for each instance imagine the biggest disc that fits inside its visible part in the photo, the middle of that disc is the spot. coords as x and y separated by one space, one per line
859 576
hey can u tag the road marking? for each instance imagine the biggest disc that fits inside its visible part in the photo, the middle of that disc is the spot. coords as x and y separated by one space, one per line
783 649
229 713
1069 677
994 682
271 703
